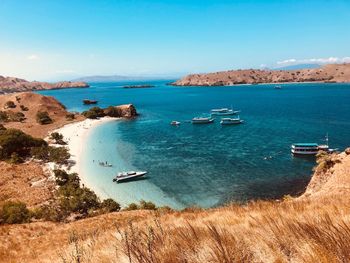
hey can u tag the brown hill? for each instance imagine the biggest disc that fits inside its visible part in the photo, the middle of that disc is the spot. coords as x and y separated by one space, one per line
328 73
312 228
12 84
35 103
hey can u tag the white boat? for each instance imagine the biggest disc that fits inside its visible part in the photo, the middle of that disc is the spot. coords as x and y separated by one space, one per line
223 112
202 120
278 87
310 148
305 148
128 176
231 121
175 123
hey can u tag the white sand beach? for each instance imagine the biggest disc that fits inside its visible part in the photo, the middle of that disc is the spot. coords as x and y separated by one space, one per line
75 135
99 179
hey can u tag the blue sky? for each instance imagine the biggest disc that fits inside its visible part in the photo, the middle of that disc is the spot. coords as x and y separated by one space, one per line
51 40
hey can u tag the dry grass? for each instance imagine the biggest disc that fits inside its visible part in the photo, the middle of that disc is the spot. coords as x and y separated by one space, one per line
311 228
291 231
25 182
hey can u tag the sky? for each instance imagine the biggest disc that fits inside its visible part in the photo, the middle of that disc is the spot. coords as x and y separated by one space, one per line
56 40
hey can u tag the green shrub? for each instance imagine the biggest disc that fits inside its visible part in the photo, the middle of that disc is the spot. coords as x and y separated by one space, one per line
24 108
113 112
46 153
4 116
63 178
132 206
58 138
94 113
58 155
10 104
77 199
14 213
16 141
15 158
70 116
16 116
147 205
43 117
109 205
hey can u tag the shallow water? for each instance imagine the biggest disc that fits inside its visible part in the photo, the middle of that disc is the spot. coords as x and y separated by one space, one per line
207 165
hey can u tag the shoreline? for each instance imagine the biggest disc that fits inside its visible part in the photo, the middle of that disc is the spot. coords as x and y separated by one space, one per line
75 135
262 83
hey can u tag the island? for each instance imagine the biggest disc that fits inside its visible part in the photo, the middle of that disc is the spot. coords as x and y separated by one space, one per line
44 197
138 86
332 73
13 84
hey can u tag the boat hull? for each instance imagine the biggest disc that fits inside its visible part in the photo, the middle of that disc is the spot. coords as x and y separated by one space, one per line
231 123
203 122
129 178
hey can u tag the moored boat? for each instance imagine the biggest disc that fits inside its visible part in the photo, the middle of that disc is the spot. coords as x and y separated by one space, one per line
202 120
278 87
231 121
304 148
175 123
128 176
223 112
88 102
310 148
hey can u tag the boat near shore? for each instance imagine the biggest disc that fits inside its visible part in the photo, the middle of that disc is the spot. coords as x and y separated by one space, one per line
88 102
310 149
128 176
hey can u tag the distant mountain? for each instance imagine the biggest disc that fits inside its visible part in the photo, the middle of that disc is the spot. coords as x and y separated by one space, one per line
114 78
299 66
13 84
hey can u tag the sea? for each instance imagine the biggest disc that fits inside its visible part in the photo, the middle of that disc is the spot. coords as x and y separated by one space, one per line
209 165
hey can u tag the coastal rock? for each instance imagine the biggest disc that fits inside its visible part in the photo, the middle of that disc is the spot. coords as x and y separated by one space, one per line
333 73
347 151
127 110
12 84
331 176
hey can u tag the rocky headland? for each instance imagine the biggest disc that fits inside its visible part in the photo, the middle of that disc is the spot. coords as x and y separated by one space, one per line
12 84
332 73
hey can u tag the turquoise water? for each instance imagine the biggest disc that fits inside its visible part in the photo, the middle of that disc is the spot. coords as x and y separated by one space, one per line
208 165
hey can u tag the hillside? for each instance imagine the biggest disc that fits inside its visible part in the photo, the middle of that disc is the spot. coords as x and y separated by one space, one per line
35 103
12 84
329 73
312 228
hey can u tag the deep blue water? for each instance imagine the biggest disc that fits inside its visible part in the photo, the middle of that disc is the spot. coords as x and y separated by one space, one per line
208 165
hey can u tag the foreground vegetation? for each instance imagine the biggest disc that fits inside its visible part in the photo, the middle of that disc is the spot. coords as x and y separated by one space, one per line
97 112
72 201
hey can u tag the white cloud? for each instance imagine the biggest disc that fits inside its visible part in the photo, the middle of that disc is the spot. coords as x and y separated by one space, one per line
33 57
329 60
287 61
